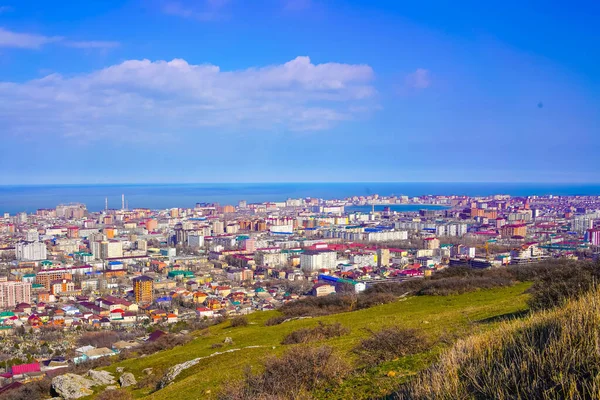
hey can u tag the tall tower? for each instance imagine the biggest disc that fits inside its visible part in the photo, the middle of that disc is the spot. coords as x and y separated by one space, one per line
106 204
122 202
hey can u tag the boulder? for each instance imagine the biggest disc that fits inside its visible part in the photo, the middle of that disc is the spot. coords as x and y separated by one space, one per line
228 340
127 379
147 371
72 386
101 378
120 370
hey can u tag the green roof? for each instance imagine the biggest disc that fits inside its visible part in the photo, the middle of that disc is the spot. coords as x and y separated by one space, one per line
29 276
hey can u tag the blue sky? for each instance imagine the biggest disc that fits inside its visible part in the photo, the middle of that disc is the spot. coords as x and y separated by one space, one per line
299 90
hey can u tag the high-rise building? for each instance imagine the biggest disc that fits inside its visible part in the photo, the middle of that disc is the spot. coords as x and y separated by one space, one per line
383 257
143 289
111 249
315 260
582 223
593 236
431 243
13 293
30 251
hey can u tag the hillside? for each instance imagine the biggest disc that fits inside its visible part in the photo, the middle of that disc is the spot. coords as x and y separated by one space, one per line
548 355
442 318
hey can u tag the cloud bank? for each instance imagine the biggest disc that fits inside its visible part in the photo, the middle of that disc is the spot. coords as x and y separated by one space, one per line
142 99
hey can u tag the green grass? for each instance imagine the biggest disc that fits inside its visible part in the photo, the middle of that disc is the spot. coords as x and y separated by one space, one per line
441 317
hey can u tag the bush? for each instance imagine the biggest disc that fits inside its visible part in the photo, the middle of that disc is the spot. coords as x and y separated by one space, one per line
30 391
240 320
275 320
291 376
98 339
551 355
390 343
561 282
320 332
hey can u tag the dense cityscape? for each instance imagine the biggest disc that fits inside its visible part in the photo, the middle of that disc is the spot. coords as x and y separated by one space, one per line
145 271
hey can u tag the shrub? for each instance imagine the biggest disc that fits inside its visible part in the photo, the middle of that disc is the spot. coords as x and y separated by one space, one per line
98 339
320 332
551 355
390 343
275 320
240 320
31 391
291 376
556 284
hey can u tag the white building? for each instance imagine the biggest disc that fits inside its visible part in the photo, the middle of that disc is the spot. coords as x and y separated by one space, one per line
111 249
30 251
315 260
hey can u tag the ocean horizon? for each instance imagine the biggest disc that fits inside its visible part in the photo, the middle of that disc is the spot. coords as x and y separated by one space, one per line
28 198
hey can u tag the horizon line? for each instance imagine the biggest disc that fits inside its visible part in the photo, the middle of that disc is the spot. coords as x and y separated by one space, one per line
294 182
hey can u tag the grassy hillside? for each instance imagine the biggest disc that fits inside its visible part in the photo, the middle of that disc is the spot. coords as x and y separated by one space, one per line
442 318
549 355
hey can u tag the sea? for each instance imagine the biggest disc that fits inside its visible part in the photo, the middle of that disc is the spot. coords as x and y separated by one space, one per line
28 198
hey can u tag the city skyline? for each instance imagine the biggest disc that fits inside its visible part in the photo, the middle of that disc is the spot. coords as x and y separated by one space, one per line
297 91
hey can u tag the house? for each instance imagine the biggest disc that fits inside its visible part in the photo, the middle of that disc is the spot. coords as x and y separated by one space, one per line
154 336
171 318
203 312
322 289
21 370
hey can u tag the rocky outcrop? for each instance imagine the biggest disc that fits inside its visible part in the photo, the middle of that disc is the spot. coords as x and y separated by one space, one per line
147 371
101 378
175 370
72 386
127 379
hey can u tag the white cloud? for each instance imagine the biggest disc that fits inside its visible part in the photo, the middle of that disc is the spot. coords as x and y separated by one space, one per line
92 44
25 40
35 41
206 10
143 99
420 79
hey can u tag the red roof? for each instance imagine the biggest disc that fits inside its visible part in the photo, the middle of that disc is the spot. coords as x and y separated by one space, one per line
25 368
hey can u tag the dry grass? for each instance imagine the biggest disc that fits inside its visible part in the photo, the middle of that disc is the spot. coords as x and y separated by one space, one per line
291 376
391 343
322 331
550 355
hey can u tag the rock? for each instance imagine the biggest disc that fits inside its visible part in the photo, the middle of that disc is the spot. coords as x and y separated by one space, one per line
101 378
120 370
127 379
112 387
147 371
228 340
72 386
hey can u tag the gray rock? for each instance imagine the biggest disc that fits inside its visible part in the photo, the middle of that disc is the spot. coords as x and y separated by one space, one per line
127 379
72 386
101 378
147 371
112 387
120 370
228 340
